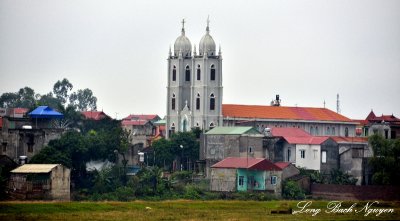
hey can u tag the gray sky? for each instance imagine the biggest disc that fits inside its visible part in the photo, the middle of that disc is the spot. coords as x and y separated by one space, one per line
306 51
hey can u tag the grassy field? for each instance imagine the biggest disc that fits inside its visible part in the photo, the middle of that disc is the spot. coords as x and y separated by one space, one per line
183 210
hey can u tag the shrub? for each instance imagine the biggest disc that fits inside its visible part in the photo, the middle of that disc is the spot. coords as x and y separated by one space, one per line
292 190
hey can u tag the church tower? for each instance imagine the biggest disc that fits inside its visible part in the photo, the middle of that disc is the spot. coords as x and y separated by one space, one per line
194 91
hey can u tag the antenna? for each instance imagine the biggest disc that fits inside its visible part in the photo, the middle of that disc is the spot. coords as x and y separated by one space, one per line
337 104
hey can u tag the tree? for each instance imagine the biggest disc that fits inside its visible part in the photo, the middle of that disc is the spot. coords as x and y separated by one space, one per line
83 100
49 100
8 100
25 98
61 90
386 160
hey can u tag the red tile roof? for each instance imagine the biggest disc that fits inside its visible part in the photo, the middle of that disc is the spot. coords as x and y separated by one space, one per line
387 118
282 165
280 112
246 163
134 122
141 117
350 139
19 110
94 115
297 136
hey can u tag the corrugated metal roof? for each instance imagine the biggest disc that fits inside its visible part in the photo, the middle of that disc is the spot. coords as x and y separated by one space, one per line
34 168
297 136
246 163
233 130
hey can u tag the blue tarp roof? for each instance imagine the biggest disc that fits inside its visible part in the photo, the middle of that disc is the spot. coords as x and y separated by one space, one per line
45 112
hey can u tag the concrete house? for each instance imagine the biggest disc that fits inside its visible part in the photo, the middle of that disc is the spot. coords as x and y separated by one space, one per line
40 181
222 142
288 169
246 174
304 150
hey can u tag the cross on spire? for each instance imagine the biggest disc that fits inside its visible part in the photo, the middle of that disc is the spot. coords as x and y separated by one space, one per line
208 24
183 26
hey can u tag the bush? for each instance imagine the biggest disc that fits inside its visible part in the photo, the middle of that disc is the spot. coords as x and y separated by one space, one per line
192 192
292 190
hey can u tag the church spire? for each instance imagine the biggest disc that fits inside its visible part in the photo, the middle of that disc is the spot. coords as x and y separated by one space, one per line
183 26
208 25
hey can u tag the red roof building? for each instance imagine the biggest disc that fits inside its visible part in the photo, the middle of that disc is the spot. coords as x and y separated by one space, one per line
95 115
386 125
297 136
316 121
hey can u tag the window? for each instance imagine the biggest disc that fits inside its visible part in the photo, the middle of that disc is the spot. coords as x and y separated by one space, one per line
312 130
250 149
174 74
303 154
316 131
4 147
198 73
288 155
172 129
198 102
187 74
323 158
315 153
212 72
212 125
273 180
212 102
173 102
346 132
241 180
328 131
30 147
333 131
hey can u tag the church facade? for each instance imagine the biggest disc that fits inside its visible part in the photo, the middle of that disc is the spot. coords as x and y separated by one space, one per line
194 90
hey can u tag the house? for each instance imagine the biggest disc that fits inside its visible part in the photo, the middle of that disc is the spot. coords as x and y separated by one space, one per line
246 174
40 181
304 150
387 126
288 169
26 136
94 115
222 142
316 121
354 153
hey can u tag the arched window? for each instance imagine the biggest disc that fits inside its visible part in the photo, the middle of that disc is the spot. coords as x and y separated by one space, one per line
172 128
184 125
212 102
346 132
212 125
316 131
197 124
173 102
212 73
198 102
312 130
187 74
333 131
328 131
174 73
198 73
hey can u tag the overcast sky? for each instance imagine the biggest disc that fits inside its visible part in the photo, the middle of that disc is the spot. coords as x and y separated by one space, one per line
306 51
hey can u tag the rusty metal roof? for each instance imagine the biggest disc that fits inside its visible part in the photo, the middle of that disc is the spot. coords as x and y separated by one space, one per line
34 168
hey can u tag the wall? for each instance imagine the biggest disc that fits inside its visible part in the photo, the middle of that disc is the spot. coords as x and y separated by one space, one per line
223 179
259 180
289 171
312 156
60 183
351 192
332 156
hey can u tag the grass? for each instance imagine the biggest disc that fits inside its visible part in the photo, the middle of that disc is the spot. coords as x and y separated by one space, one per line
179 210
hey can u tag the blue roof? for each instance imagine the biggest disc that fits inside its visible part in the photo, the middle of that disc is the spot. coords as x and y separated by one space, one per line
45 112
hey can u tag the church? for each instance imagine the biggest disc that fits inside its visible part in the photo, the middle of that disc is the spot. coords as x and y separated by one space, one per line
194 98
194 91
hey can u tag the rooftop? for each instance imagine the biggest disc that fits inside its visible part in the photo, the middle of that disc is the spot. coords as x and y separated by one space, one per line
94 115
35 168
246 163
281 112
233 130
297 136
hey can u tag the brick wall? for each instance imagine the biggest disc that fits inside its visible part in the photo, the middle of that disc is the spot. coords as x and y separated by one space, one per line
350 192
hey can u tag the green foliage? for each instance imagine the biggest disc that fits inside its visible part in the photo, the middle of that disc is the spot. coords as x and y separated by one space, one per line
25 97
339 177
385 162
292 190
61 90
83 100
